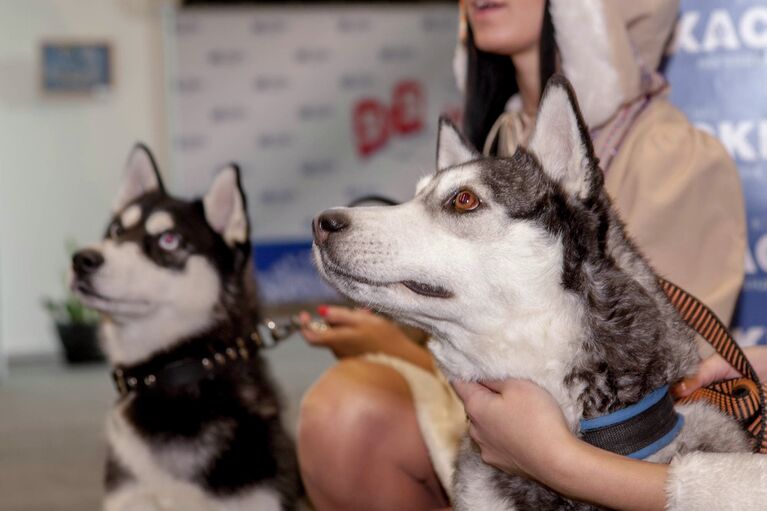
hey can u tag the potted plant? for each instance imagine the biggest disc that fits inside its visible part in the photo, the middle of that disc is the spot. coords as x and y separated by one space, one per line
76 326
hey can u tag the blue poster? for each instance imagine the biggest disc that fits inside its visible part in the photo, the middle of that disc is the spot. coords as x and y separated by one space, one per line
718 73
76 68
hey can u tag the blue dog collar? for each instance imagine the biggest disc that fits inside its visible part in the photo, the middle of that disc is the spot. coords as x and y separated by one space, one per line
636 431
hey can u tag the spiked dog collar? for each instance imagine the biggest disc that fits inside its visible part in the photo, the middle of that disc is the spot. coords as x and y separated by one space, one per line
178 373
636 431
190 370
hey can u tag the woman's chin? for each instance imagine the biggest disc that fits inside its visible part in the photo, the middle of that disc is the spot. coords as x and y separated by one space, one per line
509 28
499 43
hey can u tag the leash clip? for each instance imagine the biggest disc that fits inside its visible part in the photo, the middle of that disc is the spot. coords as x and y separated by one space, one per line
271 332
282 330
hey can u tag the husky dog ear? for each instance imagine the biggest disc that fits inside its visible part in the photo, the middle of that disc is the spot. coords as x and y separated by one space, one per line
139 177
225 207
561 141
452 148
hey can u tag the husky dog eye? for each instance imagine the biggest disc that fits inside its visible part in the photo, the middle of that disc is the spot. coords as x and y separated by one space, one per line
115 230
464 201
169 241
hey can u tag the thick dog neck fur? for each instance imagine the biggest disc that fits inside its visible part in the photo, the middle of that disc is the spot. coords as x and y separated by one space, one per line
540 279
172 270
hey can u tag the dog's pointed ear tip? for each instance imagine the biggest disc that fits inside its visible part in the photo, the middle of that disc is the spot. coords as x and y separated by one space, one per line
229 167
232 169
558 80
140 147
229 177
446 122
141 159
559 83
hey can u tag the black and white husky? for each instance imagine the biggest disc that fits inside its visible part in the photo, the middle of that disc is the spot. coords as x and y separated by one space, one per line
520 268
197 425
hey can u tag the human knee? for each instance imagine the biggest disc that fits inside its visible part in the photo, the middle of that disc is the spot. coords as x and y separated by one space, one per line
349 403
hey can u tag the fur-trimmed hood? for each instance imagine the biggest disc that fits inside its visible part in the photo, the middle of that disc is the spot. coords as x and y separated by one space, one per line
609 49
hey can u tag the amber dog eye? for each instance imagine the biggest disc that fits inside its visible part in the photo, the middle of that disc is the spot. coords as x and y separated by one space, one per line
465 201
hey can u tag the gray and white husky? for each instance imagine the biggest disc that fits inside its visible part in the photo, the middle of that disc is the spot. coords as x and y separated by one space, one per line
520 267
197 424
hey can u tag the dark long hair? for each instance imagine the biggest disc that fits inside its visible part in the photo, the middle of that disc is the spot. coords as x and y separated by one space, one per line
491 81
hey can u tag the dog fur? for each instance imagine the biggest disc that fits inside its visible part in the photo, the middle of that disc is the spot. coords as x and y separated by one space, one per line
173 279
540 281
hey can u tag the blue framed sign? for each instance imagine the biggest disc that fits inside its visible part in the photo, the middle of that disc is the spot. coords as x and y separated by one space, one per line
76 68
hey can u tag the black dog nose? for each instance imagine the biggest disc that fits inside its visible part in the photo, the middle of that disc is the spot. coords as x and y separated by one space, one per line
327 223
87 261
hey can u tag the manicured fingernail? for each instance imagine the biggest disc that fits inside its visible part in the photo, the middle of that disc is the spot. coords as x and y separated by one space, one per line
322 310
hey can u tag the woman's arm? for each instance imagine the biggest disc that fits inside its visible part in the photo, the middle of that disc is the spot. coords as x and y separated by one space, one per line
607 479
521 430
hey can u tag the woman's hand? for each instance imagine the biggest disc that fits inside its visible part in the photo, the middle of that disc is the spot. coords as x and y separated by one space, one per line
518 426
712 369
354 332
715 368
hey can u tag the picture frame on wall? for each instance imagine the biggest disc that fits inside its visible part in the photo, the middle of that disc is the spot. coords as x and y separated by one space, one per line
71 67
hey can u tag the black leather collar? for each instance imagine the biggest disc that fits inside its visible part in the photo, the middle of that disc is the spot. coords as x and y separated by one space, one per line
185 371
188 370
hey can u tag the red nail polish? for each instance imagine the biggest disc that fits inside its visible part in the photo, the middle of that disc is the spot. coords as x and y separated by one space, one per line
322 310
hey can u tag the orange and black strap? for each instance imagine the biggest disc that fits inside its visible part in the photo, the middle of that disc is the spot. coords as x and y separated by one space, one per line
738 398
742 398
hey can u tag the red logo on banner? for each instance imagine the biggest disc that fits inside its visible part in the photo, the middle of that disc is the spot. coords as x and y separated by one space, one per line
371 126
374 122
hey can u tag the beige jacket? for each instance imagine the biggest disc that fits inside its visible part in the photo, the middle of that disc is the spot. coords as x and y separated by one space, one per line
675 187
680 195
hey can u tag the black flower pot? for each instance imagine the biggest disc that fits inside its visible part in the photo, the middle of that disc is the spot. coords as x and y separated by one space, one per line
80 343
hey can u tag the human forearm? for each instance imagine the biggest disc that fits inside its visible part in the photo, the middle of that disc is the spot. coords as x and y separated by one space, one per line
520 429
413 353
586 473
391 341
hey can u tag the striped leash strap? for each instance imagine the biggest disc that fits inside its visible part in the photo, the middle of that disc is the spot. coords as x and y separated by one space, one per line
742 398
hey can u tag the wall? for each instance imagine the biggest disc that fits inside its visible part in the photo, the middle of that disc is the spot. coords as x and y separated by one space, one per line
319 105
60 159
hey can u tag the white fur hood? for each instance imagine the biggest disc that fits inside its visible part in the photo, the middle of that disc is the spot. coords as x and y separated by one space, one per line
609 48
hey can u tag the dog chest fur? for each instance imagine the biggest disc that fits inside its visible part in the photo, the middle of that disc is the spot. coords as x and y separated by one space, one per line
158 463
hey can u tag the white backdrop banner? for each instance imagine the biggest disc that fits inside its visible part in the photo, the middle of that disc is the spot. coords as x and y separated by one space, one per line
318 105
321 105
